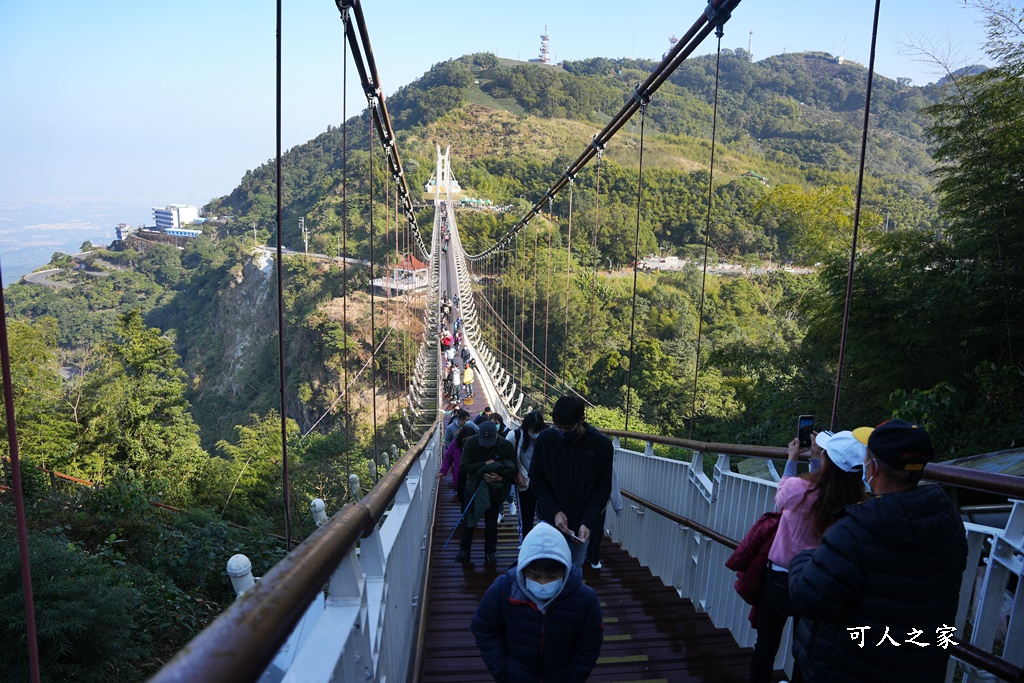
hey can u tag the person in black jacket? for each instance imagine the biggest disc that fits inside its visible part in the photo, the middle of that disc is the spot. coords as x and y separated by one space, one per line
571 475
489 466
877 599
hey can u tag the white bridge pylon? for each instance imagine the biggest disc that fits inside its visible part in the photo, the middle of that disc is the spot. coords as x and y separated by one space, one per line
444 181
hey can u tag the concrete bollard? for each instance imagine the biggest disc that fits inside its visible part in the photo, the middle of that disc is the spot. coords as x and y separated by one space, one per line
240 570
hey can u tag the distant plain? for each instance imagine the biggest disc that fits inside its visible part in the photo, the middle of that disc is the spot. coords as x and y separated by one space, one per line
33 228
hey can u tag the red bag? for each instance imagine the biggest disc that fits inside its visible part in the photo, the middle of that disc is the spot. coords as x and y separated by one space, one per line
750 560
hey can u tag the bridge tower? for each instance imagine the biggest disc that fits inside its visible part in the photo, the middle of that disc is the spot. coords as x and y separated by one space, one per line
445 181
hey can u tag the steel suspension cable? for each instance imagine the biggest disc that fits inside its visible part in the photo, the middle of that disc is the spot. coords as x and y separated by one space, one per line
522 321
856 220
715 14
280 305
546 371
707 235
366 66
387 291
19 494
507 298
533 319
373 318
515 308
346 389
344 242
502 299
593 246
568 271
397 261
547 309
636 258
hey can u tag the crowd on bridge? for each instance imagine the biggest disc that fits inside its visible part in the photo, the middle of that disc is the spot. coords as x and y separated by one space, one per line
856 550
866 562
446 233
457 384
538 620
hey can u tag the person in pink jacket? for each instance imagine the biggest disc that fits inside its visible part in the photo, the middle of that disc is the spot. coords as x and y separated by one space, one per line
807 503
450 461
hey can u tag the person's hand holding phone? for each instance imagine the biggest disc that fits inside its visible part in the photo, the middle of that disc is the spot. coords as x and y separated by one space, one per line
815 448
793 450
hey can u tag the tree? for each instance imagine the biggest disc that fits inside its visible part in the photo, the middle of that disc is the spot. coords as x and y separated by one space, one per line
87 629
45 429
138 418
817 223
978 133
255 468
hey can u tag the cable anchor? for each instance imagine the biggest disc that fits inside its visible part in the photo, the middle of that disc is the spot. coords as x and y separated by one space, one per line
641 97
718 16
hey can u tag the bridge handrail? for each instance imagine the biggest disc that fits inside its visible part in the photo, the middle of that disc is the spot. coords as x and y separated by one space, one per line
1013 486
244 639
989 482
966 652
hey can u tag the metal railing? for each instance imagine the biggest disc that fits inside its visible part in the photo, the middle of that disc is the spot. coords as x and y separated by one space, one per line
346 635
690 509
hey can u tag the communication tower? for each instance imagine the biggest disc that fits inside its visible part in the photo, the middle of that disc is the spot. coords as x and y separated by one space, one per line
545 55
671 44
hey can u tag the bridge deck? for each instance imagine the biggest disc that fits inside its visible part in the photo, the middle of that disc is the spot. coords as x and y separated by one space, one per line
651 634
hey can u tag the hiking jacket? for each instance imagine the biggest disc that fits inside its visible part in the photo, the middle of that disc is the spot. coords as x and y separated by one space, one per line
893 562
473 464
574 478
526 640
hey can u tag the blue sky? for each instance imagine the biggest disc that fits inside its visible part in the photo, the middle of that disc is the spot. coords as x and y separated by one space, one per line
173 102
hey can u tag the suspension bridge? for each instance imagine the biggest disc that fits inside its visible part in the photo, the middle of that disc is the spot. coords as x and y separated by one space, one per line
374 595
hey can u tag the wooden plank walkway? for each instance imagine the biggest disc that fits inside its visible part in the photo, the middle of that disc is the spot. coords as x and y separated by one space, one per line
651 634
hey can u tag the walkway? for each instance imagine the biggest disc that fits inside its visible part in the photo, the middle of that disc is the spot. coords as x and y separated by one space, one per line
651 634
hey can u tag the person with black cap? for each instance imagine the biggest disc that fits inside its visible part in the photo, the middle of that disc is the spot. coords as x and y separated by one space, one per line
878 598
489 465
571 475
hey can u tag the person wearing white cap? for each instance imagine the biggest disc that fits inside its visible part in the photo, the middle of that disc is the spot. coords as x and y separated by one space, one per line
807 503
878 599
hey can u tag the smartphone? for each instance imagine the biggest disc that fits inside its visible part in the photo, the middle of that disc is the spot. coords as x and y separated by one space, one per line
574 537
804 427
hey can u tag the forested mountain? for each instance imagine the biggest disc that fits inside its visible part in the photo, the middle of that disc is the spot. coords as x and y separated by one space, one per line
791 118
155 372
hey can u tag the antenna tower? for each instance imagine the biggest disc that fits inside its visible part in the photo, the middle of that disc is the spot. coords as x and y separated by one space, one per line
671 44
750 45
545 57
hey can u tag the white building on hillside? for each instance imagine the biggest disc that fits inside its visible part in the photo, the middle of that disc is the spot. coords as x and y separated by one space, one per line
173 216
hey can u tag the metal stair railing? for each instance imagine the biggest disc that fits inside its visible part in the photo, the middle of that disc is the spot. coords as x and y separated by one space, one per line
695 518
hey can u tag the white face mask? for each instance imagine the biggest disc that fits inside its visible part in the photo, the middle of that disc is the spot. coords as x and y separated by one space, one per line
543 591
865 478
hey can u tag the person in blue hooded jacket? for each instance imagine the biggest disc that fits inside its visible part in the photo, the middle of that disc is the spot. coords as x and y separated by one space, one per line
539 621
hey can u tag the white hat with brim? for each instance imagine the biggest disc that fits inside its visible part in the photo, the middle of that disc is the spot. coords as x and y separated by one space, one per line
843 448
